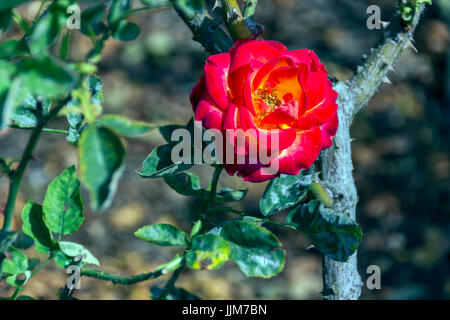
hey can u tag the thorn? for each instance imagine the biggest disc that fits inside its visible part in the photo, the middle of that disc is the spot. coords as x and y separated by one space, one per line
386 80
217 4
385 24
359 69
310 247
411 46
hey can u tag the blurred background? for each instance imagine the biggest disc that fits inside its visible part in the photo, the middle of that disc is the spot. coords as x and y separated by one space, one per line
400 151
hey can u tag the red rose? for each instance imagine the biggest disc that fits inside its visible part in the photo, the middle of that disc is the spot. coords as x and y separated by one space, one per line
281 94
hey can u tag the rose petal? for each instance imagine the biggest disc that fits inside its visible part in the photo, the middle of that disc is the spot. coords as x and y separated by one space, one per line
216 78
209 115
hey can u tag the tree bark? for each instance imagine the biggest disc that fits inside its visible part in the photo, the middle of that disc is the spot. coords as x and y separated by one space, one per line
341 280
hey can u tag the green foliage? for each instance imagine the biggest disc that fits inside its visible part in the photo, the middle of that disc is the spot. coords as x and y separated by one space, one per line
188 184
285 191
185 183
18 267
5 19
126 31
73 250
63 206
101 163
13 48
333 233
159 163
162 234
125 127
45 76
207 252
35 227
92 20
256 250
46 30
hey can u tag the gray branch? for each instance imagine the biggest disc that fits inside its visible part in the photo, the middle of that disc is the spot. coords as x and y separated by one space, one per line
341 280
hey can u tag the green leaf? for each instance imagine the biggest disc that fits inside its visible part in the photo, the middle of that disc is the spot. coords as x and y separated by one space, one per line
117 9
185 183
13 48
8 92
159 163
256 250
196 228
333 233
162 234
285 191
101 164
19 259
34 226
92 20
61 259
5 19
45 33
157 293
6 240
63 206
228 195
167 130
45 77
207 252
155 3
28 108
126 31
95 87
17 265
124 126
73 250
65 44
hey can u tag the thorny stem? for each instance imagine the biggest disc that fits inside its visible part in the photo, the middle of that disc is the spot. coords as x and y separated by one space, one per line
16 175
116 279
341 280
43 129
234 20
205 30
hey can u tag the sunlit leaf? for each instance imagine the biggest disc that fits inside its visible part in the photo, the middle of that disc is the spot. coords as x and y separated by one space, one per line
162 234
256 250
333 233
207 252
34 226
63 206
285 191
101 163
73 250
159 163
124 126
